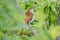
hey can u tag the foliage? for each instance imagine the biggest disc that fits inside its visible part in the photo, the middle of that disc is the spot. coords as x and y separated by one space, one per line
12 19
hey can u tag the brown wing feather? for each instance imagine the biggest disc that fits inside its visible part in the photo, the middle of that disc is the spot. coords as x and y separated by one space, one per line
29 17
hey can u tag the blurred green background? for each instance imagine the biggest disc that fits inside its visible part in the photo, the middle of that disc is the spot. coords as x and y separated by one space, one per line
46 19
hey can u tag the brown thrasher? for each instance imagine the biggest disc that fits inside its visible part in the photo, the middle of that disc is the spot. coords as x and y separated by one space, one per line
29 19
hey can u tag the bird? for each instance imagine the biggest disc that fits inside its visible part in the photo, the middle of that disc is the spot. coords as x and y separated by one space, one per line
28 20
